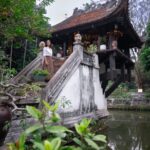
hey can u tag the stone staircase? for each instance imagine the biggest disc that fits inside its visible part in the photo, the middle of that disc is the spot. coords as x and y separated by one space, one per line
75 79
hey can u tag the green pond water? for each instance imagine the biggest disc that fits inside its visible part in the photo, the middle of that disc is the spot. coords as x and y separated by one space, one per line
128 130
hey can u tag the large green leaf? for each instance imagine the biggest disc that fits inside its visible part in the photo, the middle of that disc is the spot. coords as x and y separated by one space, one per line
47 145
55 118
33 128
101 138
56 143
82 128
38 145
78 129
77 141
55 107
35 113
57 129
61 134
92 143
85 122
47 105
51 108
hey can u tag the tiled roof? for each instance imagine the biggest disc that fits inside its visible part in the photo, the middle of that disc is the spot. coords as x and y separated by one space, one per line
84 18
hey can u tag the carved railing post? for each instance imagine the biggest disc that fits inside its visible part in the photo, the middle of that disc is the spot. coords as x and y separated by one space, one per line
78 45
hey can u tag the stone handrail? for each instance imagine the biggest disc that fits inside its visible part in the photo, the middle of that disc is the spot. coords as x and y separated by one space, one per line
56 84
27 71
36 63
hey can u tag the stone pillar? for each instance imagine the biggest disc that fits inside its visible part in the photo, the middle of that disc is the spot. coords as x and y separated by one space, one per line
127 52
112 63
129 74
96 61
111 38
98 43
123 72
64 48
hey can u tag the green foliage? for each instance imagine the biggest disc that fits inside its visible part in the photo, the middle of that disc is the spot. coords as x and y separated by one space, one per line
20 21
40 72
7 73
3 63
145 58
82 128
40 75
145 52
124 91
29 89
23 18
46 135
103 40
87 138
92 48
35 113
32 87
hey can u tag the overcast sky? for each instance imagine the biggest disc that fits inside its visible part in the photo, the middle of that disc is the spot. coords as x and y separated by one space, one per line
56 12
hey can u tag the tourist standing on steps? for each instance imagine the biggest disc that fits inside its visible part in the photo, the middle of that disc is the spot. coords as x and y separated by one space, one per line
47 58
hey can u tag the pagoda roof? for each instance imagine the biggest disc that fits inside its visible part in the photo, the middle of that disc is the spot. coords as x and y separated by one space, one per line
92 16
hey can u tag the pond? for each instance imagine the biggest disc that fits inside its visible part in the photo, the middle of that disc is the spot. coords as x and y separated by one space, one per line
128 130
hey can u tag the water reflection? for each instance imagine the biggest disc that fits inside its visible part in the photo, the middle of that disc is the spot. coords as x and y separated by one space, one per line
129 130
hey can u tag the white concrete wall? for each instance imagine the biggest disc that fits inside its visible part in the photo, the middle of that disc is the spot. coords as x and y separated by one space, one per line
83 90
87 89
99 97
71 93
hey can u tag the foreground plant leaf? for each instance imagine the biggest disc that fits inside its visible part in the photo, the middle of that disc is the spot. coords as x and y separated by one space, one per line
92 143
55 118
35 113
47 105
38 145
57 129
33 128
78 129
47 145
56 143
77 141
101 138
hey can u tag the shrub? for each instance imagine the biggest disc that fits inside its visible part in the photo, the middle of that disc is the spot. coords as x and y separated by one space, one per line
40 72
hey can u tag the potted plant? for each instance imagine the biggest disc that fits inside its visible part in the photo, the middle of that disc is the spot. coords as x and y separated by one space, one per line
103 43
92 48
40 75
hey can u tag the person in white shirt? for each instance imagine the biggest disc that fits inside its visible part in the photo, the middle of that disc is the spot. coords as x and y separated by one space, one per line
47 58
